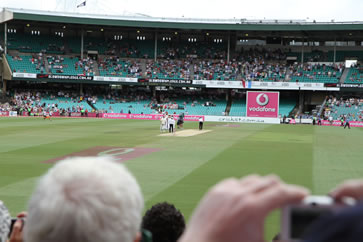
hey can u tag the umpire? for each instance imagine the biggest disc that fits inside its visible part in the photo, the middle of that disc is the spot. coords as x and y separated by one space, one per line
347 123
200 123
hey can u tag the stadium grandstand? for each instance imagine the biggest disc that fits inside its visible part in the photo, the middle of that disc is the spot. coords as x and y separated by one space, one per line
146 65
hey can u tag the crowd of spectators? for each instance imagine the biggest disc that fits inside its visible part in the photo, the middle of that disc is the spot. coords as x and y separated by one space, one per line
114 66
35 103
216 70
61 65
254 64
34 59
343 108
312 71
174 69
192 50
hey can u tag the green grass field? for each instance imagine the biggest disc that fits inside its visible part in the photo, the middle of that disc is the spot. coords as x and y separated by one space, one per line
185 167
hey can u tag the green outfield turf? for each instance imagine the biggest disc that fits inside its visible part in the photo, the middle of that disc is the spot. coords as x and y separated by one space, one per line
181 169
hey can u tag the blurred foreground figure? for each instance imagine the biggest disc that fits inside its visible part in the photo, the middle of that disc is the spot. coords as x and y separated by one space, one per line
84 200
165 222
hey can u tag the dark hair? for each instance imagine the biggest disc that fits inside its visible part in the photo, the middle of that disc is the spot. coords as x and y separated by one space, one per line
165 222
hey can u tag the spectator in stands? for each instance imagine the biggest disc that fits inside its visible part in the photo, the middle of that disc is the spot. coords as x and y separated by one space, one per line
85 199
165 222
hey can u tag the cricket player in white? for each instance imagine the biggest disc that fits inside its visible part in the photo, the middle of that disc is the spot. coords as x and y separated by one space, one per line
163 124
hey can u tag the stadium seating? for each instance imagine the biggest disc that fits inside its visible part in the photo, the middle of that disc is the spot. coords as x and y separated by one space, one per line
111 106
25 64
28 43
168 69
350 107
200 50
238 108
65 103
198 107
324 74
114 66
354 110
343 55
320 56
355 76
69 66
215 70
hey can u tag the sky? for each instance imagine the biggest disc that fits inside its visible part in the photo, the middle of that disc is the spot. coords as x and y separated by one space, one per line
319 10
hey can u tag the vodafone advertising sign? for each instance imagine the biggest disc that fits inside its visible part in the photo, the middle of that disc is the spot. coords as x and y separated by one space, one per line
263 104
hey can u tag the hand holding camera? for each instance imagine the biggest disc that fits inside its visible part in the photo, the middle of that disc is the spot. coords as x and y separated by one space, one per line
235 209
17 228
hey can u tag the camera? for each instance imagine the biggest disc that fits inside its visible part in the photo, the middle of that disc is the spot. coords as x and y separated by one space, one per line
297 218
12 222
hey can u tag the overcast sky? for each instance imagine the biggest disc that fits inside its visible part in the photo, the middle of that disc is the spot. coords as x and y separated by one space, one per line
320 10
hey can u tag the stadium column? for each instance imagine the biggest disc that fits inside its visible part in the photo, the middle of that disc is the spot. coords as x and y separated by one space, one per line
4 85
156 46
82 44
335 50
6 38
302 51
228 46
301 101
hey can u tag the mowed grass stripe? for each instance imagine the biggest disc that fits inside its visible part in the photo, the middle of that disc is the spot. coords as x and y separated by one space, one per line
338 156
179 156
259 153
20 165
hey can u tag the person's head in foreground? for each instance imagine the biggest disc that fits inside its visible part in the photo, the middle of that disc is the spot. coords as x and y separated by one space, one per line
4 222
165 222
84 200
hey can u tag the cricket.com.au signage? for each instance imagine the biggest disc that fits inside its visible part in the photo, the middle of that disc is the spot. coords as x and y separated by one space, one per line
64 77
239 119
165 82
115 79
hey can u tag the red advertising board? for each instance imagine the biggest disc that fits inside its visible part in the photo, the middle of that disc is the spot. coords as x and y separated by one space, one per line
147 116
263 104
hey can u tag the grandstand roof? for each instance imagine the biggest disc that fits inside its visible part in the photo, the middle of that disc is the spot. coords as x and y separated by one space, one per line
9 14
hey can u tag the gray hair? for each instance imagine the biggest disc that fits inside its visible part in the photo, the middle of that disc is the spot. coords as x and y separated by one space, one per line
88 199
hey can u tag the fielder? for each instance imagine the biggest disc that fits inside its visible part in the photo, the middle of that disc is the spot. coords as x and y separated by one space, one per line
163 124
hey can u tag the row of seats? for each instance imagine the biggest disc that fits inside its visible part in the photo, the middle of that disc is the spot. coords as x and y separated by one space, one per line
35 43
24 63
168 69
355 76
325 75
355 111
67 66
142 106
65 103
320 56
